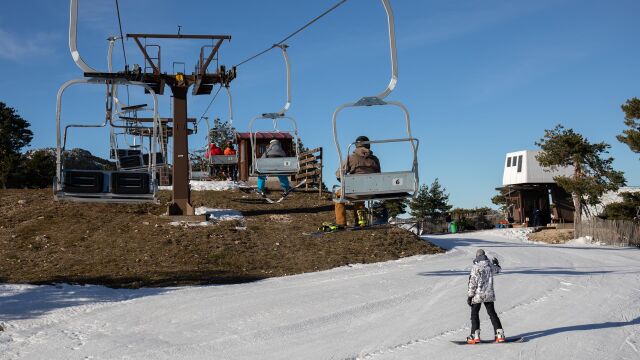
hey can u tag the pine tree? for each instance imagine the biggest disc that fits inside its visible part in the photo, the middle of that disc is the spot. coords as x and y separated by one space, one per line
627 209
631 136
222 133
14 135
592 176
430 202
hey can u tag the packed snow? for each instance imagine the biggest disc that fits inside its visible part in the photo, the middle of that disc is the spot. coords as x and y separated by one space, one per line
567 301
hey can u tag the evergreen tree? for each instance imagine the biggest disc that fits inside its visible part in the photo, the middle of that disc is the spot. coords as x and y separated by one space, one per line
627 209
430 202
14 135
500 199
221 133
396 207
592 175
631 136
37 169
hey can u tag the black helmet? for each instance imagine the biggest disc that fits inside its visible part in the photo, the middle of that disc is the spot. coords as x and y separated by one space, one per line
361 139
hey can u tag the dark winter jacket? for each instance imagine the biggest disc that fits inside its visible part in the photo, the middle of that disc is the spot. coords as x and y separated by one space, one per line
361 161
274 150
481 280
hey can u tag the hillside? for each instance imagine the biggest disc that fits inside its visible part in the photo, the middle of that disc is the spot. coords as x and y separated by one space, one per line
44 241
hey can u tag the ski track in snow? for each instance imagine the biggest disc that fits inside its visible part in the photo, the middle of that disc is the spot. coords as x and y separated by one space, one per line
568 301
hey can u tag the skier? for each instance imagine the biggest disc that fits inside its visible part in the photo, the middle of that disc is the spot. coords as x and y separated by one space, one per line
361 161
274 150
481 291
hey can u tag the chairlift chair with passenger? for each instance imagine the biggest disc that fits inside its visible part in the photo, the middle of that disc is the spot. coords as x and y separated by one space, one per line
276 166
383 185
228 160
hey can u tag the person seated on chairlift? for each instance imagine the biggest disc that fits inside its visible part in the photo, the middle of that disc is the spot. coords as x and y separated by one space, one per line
231 169
229 150
274 150
361 161
213 150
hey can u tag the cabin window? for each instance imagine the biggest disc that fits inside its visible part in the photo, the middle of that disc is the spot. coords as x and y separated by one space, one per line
520 163
509 161
514 162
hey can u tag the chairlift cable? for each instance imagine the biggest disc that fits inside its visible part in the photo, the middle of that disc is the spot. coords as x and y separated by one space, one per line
294 33
124 52
210 102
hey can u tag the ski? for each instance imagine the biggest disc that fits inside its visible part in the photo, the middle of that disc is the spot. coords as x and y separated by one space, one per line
292 190
326 228
249 190
517 339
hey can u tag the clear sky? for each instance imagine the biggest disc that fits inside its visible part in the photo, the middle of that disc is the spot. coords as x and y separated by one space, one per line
480 78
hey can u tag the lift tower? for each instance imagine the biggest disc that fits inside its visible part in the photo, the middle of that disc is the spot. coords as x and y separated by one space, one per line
203 82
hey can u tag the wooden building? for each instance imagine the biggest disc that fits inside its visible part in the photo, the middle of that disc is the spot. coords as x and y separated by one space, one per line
528 187
262 141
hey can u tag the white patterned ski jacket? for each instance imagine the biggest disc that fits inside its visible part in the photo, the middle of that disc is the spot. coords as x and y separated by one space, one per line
481 281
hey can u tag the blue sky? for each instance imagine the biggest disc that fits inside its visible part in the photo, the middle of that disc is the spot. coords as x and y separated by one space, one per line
480 78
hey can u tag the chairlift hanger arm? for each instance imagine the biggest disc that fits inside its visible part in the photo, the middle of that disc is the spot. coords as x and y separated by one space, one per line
287 63
230 105
73 38
392 50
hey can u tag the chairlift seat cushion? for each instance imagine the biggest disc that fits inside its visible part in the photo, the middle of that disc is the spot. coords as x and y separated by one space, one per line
123 182
85 182
282 165
379 185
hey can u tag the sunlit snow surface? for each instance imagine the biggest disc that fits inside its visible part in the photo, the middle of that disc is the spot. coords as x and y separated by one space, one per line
568 301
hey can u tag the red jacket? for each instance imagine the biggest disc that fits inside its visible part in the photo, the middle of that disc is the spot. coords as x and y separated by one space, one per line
213 151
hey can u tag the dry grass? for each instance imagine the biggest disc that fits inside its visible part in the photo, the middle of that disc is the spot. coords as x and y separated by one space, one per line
552 236
44 241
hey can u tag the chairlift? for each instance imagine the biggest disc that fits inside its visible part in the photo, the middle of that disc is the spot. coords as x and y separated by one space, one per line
276 166
383 185
133 184
228 160
138 185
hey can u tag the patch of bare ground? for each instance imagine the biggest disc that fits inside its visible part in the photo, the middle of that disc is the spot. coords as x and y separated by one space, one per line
119 245
552 235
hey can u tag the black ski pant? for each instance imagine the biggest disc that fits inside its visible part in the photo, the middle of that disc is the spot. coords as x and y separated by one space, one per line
475 316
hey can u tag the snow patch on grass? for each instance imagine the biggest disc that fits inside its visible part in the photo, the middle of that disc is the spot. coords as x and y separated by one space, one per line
219 214
199 185
585 240
213 216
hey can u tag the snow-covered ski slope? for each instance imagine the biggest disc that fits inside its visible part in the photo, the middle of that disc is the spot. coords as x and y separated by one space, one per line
568 301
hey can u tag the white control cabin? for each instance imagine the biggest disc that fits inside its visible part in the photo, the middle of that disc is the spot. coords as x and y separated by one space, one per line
521 167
